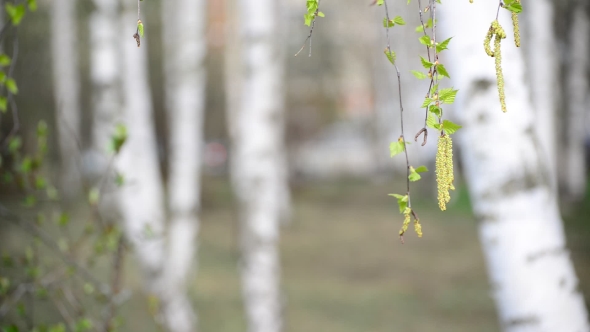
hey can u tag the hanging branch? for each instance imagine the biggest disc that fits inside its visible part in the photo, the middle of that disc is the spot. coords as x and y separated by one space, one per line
313 12
404 201
139 32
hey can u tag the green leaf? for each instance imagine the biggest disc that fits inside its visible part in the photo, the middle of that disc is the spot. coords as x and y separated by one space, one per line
63 220
414 176
427 101
443 45
307 18
4 60
442 70
432 121
448 95
390 56
388 24
435 110
425 63
118 138
399 20
513 6
84 324
3 104
450 128
11 86
16 13
396 148
419 75
32 5
422 169
402 201
425 40
320 14
140 28
379 2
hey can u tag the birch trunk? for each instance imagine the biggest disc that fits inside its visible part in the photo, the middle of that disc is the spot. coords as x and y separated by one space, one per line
258 159
184 73
532 276
66 83
142 195
106 97
540 47
574 181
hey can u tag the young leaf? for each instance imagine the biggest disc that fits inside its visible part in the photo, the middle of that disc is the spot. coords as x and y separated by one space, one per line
443 45
396 148
432 122
3 104
399 20
442 70
140 28
4 60
448 95
422 169
425 40
419 75
414 176
425 63
450 128
11 86
320 14
390 56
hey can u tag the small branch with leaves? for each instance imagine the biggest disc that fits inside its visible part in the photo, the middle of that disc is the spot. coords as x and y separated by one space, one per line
139 32
313 12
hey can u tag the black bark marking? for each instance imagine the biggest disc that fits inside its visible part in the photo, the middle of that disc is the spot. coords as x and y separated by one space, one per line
522 321
545 253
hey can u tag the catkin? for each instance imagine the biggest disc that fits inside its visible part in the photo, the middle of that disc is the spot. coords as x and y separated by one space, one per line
444 170
516 27
418 227
407 219
498 32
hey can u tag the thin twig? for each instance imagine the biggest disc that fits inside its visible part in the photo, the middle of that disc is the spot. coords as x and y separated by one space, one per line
401 106
315 16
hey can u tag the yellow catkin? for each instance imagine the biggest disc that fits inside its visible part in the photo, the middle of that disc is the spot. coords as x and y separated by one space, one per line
516 27
499 74
407 219
471 1
487 41
444 170
418 227
497 31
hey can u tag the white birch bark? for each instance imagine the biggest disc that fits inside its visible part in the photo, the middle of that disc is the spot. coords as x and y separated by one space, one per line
540 46
184 28
106 98
532 277
258 162
142 195
574 181
66 83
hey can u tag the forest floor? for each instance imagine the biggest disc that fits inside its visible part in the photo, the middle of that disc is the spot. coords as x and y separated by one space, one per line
344 268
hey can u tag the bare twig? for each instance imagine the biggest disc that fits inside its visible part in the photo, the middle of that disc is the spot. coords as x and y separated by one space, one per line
401 106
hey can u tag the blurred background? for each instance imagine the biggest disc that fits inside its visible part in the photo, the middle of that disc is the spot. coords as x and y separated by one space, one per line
342 266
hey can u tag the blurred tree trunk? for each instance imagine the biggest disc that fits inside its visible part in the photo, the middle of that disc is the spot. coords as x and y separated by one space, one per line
66 83
184 27
540 46
105 80
256 121
573 172
141 196
509 177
